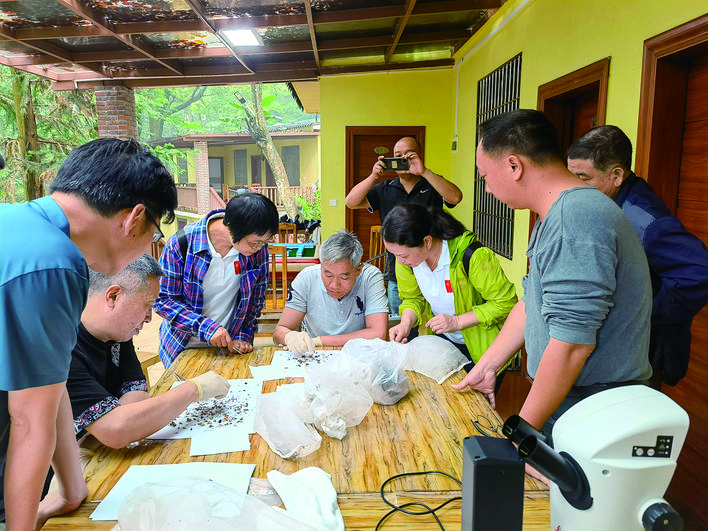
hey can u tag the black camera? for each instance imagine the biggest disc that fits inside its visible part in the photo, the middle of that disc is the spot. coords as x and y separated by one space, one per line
396 163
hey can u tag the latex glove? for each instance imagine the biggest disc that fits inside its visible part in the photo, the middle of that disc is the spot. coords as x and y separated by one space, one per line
299 342
211 385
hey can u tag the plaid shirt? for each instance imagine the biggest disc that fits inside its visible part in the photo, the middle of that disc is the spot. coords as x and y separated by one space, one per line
181 296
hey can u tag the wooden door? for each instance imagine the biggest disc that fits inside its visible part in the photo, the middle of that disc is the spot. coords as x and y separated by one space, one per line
364 145
692 209
672 142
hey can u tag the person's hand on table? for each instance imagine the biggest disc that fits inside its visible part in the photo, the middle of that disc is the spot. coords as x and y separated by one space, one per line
399 333
443 323
480 380
239 346
54 504
301 342
221 338
210 385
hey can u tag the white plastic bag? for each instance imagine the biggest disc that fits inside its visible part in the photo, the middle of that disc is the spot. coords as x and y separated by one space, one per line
279 421
379 365
337 401
434 357
196 504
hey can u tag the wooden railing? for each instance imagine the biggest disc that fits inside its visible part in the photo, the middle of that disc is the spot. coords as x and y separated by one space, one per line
271 192
187 195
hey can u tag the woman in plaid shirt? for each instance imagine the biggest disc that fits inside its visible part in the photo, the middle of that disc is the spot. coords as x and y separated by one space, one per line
214 291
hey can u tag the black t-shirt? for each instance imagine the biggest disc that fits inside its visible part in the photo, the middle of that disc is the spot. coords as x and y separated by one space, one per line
387 194
100 373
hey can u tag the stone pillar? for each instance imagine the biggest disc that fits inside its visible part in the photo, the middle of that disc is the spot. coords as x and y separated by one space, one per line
202 171
115 107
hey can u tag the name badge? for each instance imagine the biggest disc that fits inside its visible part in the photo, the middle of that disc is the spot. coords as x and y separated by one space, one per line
237 267
448 286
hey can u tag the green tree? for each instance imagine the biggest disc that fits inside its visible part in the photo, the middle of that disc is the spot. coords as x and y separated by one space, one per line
39 127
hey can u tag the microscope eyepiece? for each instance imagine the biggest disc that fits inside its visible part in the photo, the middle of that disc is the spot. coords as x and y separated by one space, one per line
517 429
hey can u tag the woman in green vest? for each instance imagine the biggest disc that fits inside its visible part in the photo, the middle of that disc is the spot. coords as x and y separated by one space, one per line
447 280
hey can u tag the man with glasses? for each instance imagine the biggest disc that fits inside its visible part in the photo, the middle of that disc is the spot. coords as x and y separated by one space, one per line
215 282
99 213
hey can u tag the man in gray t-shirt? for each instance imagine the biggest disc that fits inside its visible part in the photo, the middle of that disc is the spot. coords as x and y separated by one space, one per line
584 317
338 300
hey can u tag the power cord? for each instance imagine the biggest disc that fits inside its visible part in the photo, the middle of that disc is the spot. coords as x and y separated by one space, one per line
401 508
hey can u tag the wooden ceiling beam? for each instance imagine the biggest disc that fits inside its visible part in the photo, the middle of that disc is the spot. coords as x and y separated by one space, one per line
431 8
198 10
398 31
311 28
100 21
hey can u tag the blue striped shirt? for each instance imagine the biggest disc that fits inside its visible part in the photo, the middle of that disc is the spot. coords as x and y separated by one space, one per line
181 298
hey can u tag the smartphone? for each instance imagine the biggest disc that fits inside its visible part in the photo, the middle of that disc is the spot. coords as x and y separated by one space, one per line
396 163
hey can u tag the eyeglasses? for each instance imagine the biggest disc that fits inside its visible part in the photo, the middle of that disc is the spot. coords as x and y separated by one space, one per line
257 244
158 233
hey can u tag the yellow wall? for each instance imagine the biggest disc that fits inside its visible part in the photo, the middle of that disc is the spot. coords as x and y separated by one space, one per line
555 37
387 99
309 168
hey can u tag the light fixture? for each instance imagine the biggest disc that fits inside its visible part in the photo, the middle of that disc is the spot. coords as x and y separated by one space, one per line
243 37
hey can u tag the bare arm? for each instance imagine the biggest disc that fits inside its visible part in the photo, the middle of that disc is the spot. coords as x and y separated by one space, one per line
67 467
482 377
399 333
33 437
376 324
356 198
452 323
289 320
133 421
559 368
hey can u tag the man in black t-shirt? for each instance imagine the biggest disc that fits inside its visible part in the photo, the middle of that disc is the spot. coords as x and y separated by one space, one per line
106 385
418 185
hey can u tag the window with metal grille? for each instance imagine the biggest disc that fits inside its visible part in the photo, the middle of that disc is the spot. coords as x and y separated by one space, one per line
493 220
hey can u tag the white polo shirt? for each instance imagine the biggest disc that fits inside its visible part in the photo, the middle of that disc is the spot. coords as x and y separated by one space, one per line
437 288
221 287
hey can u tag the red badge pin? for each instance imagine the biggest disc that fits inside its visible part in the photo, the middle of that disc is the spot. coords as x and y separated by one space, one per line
237 267
448 286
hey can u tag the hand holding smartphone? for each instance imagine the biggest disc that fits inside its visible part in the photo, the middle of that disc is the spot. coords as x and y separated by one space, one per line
396 163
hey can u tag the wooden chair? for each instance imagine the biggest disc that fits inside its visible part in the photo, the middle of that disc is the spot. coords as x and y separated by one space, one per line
285 231
278 282
147 359
377 250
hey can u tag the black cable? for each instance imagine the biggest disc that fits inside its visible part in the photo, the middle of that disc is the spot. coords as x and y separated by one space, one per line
401 508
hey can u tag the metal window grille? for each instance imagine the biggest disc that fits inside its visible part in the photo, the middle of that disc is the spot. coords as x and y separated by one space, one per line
493 220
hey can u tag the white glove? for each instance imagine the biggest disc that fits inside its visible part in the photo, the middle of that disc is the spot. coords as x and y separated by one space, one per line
299 342
211 385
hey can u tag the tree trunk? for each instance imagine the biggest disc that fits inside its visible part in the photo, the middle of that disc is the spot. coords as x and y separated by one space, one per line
256 124
34 187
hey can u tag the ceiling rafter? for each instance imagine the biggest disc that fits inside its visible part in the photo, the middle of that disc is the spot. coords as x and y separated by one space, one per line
398 31
199 11
82 43
311 28
244 51
100 22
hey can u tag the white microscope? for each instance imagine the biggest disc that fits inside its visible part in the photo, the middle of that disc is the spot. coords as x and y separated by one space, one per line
613 458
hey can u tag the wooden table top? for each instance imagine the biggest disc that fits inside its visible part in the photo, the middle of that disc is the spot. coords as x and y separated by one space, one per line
424 431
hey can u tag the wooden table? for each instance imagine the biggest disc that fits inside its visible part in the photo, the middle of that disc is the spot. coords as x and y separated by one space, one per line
424 431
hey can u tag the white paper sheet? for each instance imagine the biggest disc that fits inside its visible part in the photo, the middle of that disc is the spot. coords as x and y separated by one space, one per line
286 364
297 389
236 409
220 441
234 475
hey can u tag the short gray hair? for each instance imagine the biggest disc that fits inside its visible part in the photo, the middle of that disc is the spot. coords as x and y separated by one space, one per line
342 245
132 279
